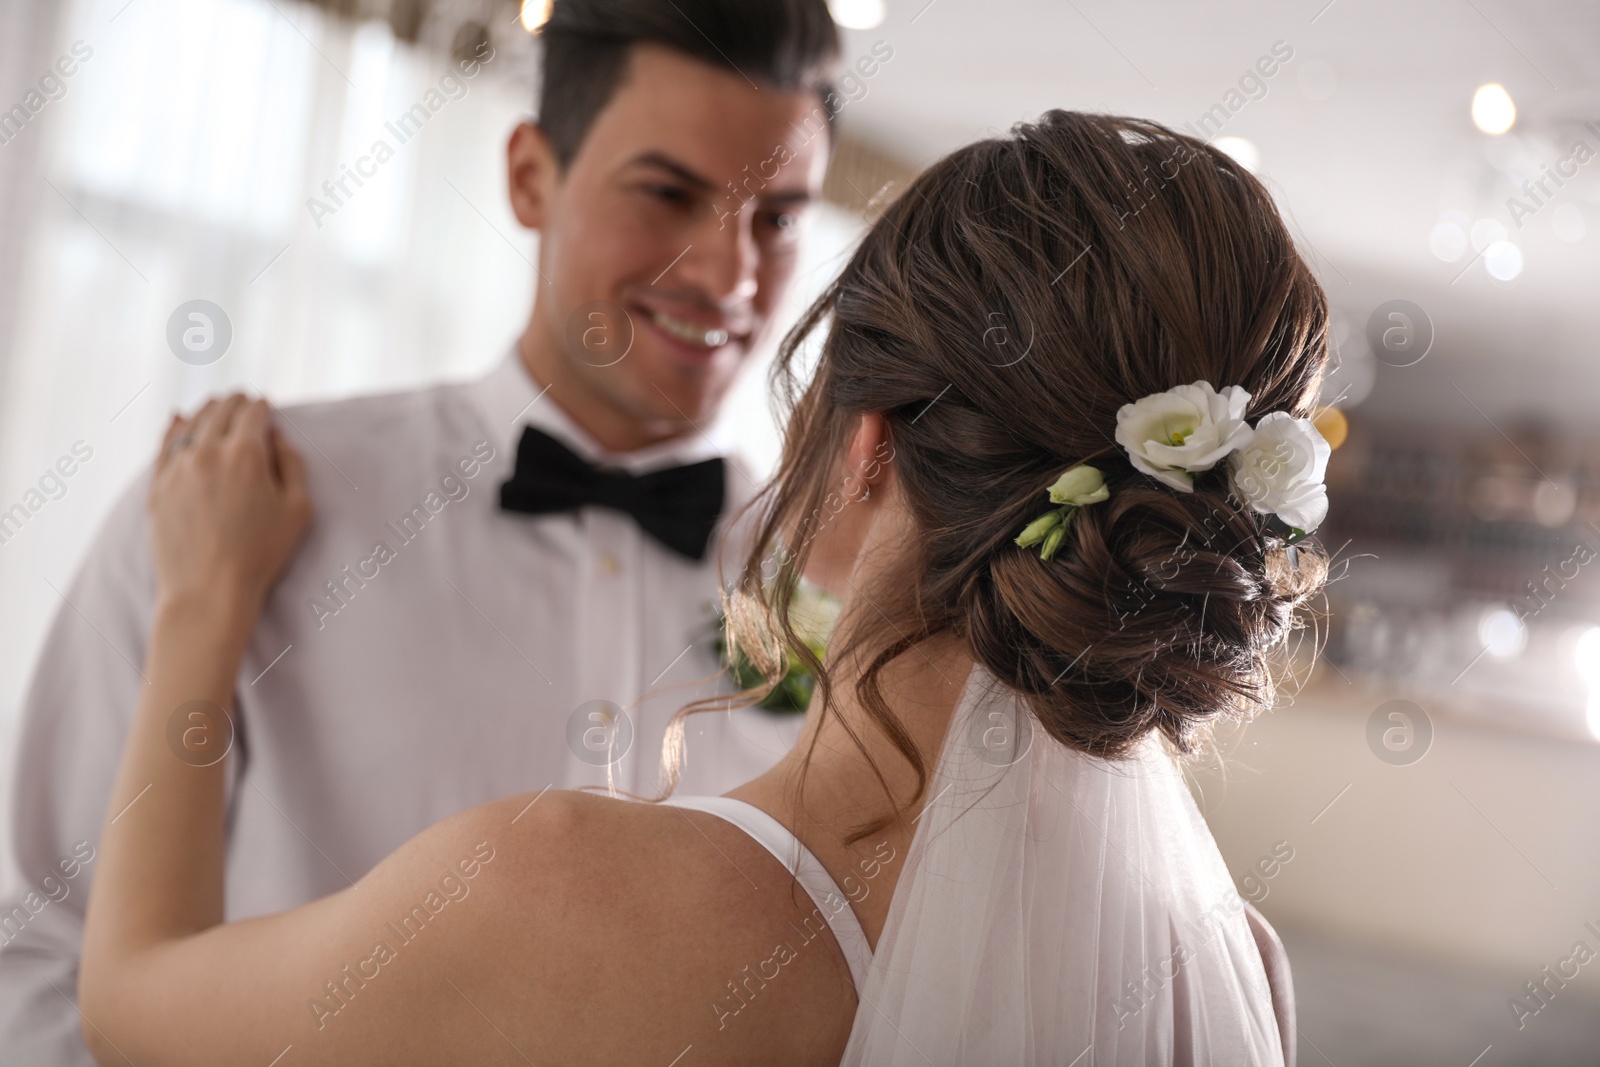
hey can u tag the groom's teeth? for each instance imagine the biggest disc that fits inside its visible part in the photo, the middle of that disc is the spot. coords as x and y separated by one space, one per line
686 331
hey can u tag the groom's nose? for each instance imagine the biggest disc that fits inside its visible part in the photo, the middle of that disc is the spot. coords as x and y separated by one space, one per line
723 262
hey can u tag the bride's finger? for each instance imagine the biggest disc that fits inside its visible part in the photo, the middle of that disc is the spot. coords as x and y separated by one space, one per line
291 469
251 423
213 422
205 420
175 426
179 435
200 418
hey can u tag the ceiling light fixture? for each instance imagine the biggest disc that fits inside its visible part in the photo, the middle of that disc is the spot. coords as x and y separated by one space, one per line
1492 109
1243 151
1503 260
857 14
536 13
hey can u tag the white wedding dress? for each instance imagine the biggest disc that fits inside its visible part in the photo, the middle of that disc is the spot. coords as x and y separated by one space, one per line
1060 909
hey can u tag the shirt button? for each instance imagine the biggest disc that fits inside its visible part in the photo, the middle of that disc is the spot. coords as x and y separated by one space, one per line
609 564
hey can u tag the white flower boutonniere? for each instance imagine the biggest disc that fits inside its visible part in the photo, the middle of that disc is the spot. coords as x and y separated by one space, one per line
1172 436
813 614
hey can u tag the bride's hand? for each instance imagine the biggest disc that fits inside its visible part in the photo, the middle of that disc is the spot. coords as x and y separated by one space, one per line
228 505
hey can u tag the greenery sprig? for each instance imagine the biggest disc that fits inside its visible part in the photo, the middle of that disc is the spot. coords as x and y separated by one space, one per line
1077 487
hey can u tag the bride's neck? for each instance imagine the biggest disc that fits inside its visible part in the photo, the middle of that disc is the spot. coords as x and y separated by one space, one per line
831 785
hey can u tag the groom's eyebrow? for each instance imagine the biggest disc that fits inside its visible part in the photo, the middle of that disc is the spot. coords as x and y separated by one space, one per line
661 161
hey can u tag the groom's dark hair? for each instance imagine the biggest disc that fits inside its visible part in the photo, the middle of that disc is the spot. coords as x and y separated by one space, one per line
786 45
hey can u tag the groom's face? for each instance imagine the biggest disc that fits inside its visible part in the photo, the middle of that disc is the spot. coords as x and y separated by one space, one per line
684 207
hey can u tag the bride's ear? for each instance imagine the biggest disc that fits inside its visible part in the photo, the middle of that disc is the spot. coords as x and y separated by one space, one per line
869 460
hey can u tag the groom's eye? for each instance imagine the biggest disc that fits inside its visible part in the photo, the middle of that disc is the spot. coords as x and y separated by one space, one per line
782 225
675 195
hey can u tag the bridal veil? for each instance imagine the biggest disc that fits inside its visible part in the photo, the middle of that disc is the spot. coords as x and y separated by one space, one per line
1061 909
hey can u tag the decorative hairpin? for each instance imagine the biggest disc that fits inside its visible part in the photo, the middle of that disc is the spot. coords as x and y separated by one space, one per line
1076 488
1277 467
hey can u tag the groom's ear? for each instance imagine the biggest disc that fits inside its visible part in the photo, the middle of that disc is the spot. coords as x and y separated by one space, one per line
532 173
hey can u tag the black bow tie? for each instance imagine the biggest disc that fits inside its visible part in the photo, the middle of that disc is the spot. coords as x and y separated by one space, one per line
678 506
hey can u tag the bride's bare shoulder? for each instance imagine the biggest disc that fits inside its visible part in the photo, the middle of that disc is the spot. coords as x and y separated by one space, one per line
639 932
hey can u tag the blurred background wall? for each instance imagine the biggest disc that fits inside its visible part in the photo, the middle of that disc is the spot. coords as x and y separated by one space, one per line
1434 780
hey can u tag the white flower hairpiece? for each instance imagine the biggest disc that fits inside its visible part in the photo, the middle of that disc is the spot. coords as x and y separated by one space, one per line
1281 471
1277 467
1075 488
1174 435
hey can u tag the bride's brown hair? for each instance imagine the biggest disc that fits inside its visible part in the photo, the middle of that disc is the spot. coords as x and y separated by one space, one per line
1017 294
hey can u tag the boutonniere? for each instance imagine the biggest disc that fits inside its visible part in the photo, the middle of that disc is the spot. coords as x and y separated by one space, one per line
813 614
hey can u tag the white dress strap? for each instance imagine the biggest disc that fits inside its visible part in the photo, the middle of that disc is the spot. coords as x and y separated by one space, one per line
803 864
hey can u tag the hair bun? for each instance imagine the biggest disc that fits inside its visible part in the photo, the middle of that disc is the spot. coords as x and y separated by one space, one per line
1160 611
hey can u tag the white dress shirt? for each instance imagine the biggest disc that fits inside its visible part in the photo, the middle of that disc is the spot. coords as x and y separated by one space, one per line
384 688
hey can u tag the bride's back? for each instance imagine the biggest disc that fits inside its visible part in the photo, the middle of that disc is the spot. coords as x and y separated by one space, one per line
599 931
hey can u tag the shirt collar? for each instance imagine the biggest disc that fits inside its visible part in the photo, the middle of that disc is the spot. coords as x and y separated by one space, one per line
510 398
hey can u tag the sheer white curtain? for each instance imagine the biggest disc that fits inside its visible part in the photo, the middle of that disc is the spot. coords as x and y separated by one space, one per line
175 164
